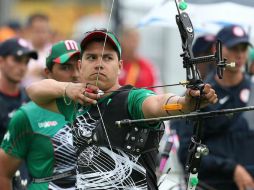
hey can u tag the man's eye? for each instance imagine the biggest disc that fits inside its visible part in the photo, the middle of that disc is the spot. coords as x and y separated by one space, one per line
66 67
21 59
91 58
107 58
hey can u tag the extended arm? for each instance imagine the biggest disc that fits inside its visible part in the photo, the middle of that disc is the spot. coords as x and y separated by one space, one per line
152 106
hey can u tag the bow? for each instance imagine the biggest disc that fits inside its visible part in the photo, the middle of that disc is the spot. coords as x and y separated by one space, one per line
194 81
196 149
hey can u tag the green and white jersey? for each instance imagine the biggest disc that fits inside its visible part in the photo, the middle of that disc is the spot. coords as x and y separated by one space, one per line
99 166
43 139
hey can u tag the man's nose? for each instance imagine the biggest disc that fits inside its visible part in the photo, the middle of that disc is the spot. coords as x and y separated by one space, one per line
23 66
99 64
75 75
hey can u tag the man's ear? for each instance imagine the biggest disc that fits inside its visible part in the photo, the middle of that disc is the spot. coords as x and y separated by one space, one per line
79 64
48 73
213 48
2 62
120 66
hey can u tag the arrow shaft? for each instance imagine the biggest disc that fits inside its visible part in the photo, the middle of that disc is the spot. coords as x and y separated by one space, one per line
185 116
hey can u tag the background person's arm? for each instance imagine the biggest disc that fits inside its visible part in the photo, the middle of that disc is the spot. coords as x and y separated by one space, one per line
8 167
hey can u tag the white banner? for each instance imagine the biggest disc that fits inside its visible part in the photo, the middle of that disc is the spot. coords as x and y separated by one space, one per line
206 18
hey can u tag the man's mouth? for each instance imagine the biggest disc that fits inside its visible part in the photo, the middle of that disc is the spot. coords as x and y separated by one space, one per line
98 74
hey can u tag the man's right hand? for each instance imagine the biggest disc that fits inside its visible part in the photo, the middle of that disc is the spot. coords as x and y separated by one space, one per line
85 94
242 178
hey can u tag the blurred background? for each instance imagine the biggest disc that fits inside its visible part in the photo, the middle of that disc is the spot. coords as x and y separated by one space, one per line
160 39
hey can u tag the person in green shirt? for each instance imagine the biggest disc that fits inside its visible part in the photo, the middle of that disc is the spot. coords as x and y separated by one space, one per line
111 157
40 137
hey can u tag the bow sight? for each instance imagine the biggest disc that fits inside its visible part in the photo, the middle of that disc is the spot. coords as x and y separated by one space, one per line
189 62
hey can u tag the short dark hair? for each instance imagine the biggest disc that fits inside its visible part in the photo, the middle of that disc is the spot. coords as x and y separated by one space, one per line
36 16
50 67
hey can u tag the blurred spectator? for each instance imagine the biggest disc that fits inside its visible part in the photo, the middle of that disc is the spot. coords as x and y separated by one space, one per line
251 61
6 33
38 33
9 30
229 165
137 70
16 27
56 36
203 46
14 57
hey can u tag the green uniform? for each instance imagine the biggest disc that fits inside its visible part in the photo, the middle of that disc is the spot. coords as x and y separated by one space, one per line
43 139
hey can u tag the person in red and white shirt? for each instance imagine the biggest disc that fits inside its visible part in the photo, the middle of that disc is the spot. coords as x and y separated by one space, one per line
137 70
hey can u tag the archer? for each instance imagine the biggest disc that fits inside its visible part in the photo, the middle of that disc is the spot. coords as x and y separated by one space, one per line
108 156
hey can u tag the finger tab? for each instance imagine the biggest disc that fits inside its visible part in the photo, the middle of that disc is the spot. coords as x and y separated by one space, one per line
88 90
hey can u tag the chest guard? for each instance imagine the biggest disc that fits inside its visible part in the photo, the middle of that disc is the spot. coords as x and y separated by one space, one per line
131 139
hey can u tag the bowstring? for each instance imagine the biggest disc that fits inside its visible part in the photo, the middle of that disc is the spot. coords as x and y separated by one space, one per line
97 77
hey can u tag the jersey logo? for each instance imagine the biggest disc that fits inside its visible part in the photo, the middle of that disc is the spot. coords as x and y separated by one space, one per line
11 113
245 95
223 100
7 136
47 124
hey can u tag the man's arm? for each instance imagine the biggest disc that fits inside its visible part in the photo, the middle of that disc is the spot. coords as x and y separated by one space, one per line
45 93
8 167
152 106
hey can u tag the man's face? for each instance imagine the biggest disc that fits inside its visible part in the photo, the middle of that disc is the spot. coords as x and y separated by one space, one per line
39 32
68 72
100 70
237 54
13 68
